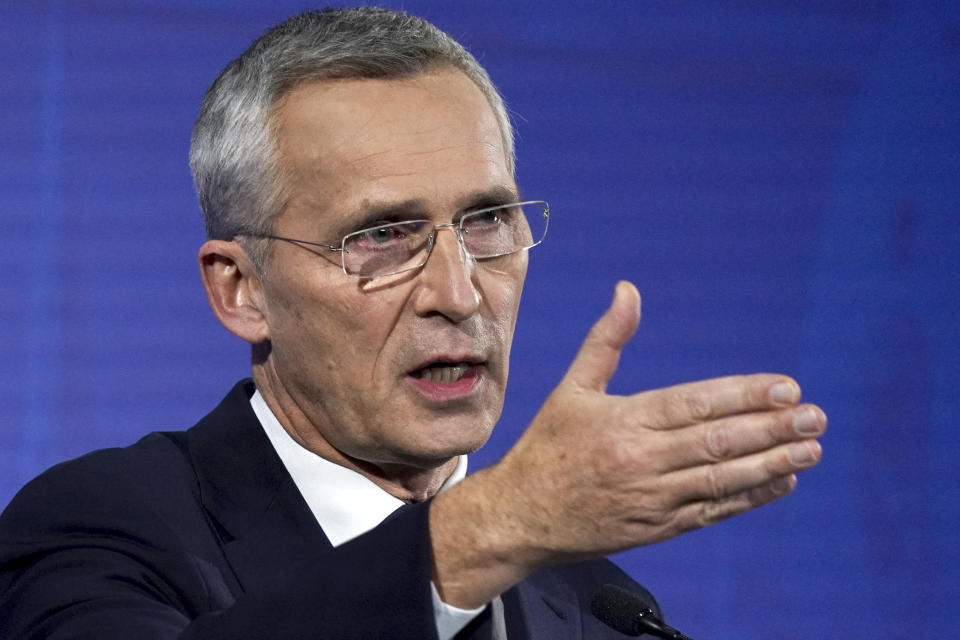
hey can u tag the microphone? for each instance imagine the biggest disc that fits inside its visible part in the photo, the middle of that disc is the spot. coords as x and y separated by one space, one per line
627 613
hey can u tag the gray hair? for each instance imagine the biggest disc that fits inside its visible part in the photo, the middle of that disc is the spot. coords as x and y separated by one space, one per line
233 148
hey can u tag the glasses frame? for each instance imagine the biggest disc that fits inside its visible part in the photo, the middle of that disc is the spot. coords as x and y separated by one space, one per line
457 227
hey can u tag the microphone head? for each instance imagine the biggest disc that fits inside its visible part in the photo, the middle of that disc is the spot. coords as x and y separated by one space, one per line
620 609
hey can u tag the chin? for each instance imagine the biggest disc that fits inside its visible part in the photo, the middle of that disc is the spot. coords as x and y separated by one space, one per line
448 444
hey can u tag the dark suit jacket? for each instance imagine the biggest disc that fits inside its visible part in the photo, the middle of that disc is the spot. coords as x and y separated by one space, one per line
202 534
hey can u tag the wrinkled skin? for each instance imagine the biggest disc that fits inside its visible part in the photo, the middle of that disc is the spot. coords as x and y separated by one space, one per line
341 348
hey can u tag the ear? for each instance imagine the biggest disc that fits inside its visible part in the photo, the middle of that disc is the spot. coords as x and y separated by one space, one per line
233 289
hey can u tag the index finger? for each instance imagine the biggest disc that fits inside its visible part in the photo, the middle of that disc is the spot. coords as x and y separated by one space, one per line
696 402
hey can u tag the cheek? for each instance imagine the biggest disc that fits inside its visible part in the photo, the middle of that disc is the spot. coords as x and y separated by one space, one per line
368 324
503 289
363 326
504 286
505 326
311 327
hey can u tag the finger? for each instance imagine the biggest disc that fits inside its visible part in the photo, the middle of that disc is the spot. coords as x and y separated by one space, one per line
736 436
697 402
599 354
725 479
697 515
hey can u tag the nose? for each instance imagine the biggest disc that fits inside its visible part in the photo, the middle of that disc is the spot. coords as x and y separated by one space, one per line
445 283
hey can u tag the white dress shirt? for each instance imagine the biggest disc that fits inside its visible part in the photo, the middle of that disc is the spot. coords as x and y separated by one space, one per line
346 504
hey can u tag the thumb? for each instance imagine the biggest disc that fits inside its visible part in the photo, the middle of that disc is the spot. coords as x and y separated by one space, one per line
599 354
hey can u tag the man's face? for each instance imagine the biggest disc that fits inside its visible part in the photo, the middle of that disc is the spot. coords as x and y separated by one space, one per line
410 368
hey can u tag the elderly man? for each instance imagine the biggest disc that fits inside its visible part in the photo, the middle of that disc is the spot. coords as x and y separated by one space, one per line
368 239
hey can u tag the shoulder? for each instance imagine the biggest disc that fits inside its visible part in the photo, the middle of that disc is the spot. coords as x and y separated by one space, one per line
152 479
153 484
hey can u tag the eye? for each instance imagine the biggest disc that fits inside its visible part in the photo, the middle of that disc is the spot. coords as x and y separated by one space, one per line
381 235
488 217
385 236
485 221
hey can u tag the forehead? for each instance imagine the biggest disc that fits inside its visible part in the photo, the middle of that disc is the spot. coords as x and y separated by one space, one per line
345 145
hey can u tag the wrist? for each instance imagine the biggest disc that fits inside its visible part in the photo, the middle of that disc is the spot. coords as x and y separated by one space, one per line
480 548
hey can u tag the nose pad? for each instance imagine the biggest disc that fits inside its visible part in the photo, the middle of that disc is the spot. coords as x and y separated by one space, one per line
455 228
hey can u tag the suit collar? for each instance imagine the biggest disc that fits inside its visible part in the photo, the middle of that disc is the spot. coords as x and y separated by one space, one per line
257 510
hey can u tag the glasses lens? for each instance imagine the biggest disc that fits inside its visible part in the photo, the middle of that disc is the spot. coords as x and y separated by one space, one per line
504 230
386 249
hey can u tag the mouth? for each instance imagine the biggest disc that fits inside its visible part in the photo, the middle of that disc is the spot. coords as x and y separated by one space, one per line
443 372
447 378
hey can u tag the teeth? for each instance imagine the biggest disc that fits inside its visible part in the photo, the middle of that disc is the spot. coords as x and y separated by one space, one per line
444 374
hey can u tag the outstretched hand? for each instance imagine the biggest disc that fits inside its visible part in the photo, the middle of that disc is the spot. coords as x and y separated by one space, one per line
596 473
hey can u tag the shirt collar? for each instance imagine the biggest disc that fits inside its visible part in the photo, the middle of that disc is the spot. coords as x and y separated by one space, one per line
344 502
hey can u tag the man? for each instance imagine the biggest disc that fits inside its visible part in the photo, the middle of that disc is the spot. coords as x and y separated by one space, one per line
368 239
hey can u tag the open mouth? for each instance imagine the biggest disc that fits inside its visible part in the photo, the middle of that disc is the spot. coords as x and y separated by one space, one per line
443 372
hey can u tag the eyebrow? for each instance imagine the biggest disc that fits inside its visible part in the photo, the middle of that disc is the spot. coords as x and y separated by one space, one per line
491 198
418 208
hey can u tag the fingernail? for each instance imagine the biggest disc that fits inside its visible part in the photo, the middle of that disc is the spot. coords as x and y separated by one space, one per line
802 453
784 393
806 422
784 485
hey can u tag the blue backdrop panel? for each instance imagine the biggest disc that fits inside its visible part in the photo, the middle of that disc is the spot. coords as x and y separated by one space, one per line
778 178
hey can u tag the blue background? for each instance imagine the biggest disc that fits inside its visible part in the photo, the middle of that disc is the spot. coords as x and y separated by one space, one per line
780 179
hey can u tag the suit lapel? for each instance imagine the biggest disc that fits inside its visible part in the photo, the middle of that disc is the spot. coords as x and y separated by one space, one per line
261 518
